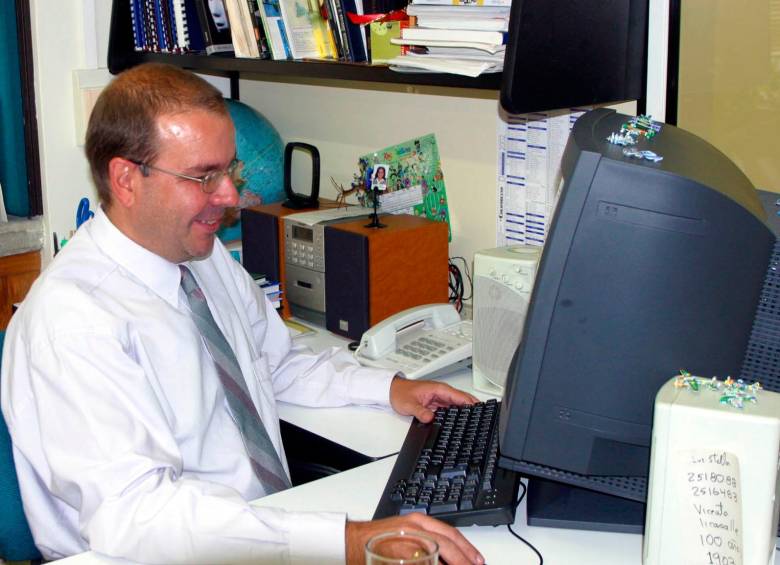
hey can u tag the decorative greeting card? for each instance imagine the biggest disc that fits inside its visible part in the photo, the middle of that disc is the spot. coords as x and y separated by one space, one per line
414 180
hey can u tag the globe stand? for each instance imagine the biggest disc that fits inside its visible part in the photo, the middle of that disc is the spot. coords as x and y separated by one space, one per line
375 217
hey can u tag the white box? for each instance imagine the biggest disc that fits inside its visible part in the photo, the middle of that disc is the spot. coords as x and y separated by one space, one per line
712 496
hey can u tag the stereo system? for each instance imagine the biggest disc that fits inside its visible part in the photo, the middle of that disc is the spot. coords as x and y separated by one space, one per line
503 280
345 274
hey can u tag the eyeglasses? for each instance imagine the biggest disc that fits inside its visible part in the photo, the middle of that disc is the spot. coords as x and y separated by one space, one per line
208 182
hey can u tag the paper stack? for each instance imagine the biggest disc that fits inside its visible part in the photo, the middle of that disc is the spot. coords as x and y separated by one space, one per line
271 289
463 38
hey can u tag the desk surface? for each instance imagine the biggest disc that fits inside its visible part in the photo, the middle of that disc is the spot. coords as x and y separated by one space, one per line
357 491
388 429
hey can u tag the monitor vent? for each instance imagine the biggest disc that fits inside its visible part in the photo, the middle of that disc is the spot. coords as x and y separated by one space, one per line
632 488
762 357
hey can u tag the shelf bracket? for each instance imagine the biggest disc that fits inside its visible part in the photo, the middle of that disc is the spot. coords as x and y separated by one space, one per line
233 76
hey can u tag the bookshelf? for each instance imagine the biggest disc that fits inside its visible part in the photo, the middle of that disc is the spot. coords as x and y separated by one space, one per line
121 56
563 53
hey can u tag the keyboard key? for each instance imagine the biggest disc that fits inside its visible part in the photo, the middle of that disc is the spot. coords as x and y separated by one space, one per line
441 507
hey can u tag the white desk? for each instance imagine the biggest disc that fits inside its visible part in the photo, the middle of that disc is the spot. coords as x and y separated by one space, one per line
357 491
387 429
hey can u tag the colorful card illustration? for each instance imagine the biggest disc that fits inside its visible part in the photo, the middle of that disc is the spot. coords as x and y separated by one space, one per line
414 180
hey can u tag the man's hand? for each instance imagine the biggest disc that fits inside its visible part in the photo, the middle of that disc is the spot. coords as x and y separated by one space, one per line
422 398
454 549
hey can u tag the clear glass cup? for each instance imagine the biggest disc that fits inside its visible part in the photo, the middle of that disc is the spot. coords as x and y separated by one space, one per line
402 548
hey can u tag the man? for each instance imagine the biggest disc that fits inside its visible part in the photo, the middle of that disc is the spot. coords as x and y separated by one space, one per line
126 438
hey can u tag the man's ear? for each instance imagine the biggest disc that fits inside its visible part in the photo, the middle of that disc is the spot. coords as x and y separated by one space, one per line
123 176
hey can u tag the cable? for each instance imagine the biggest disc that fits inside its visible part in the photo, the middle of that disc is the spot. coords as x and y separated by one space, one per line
456 282
468 275
518 536
456 287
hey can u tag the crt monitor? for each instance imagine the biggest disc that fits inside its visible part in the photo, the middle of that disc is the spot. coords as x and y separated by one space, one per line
649 268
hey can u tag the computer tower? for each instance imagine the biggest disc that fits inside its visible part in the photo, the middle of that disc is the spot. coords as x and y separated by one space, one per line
503 279
714 484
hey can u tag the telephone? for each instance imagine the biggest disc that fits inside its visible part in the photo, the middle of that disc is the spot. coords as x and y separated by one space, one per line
422 341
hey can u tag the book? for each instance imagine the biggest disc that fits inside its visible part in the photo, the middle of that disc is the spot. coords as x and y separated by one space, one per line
355 35
136 16
382 49
488 47
164 25
194 31
458 10
442 65
150 28
182 34
464 2
259 30
363 28
338 29
275 31
297 329
240 29
307 32
215 26
477 24
342 25
274 296
470 36
269 287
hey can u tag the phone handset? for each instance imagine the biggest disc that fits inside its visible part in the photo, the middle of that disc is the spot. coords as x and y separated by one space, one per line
380 340
421 341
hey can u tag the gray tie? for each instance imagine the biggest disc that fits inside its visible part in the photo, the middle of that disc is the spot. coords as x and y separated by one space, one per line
265 461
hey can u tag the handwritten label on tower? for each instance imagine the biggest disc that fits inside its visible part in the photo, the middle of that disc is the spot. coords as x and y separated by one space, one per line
711 502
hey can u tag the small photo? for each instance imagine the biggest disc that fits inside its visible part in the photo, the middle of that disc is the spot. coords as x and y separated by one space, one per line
379 177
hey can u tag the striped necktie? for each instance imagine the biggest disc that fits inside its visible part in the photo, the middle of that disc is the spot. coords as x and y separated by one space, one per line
265 460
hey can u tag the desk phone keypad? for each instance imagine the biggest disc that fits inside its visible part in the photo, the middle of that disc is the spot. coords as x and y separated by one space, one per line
432 345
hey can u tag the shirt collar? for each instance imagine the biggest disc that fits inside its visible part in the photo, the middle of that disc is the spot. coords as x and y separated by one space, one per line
157 273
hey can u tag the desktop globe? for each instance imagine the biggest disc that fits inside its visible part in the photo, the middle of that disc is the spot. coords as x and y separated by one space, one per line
259 146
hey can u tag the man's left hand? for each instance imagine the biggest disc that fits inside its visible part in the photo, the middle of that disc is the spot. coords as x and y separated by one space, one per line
421 398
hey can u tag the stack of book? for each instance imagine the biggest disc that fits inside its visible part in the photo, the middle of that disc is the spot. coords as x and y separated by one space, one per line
271 289
454 36
166 26
264 29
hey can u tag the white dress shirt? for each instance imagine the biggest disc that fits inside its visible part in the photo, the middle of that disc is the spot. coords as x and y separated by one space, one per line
122 437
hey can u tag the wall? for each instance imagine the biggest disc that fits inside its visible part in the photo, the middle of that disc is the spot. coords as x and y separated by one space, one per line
729 89
341 120
344 120
58 33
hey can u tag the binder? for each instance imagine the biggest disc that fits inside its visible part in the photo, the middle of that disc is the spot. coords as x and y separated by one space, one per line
354 34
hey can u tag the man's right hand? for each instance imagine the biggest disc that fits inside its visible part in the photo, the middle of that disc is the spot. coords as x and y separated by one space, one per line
454 548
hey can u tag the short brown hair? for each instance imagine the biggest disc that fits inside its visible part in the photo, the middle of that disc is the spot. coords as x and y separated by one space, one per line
123 122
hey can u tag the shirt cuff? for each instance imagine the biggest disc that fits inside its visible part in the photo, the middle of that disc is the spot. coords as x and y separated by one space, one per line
368 385
317 538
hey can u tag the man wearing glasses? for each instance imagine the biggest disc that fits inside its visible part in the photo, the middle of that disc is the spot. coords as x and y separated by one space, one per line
141 373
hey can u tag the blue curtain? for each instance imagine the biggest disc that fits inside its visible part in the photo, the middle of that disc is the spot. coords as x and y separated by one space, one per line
13 164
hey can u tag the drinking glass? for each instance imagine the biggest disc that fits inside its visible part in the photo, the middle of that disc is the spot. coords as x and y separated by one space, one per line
402 547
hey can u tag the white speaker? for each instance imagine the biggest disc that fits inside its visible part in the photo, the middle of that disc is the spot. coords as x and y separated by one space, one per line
503 279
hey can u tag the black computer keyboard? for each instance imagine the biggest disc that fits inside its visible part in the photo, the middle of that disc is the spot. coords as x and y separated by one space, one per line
448 469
